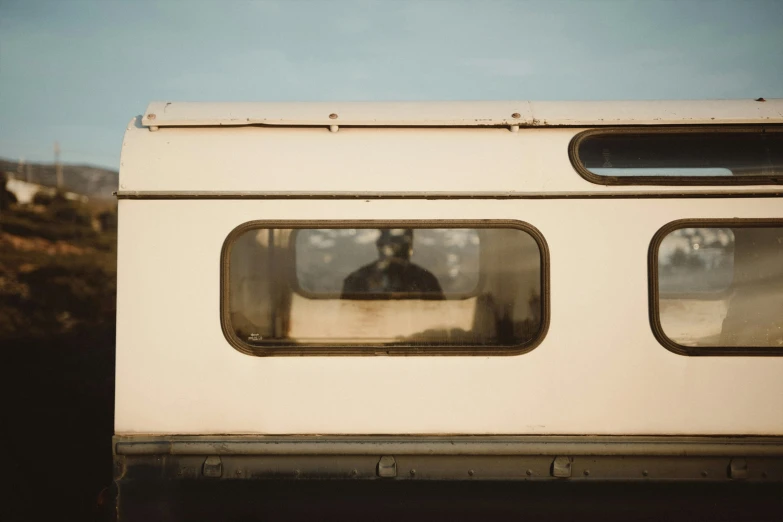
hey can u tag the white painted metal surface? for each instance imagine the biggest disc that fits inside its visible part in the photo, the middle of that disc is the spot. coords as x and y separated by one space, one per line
599 370
312 161
471 114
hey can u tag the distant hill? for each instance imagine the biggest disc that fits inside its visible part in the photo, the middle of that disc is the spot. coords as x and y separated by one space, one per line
83 179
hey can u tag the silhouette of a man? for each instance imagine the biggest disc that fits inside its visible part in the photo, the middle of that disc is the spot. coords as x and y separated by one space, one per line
393 272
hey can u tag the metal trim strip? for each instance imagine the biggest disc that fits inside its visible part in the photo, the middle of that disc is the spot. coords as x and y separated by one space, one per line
451 446
177 195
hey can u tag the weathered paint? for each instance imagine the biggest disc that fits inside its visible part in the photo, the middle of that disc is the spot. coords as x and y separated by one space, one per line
313 161
465 114
599 370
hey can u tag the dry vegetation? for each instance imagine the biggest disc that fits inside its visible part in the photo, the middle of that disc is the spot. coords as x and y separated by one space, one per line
57 312
57 272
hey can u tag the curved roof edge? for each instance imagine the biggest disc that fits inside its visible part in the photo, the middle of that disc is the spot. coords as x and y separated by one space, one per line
464 114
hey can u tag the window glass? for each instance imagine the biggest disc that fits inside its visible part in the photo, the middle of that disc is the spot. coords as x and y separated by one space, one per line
399 286
722 287
325 257
696 262
679 153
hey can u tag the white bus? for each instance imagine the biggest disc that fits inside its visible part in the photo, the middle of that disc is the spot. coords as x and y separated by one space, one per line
486 295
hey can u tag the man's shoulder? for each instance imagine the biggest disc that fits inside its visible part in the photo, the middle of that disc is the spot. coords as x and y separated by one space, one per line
426 279
363 271
359 275
420 271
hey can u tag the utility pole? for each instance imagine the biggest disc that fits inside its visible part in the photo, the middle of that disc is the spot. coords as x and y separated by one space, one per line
58 168
24 170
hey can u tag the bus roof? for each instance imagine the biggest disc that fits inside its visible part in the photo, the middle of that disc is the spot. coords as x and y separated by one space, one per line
465 114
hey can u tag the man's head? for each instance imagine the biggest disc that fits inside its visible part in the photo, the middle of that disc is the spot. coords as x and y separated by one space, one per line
395 243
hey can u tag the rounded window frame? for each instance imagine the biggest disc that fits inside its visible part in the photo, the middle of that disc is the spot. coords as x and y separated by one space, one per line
584 172
378 349
653 293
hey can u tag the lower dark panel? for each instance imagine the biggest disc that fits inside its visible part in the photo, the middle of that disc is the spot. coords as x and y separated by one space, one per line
148 499
457 478
576 468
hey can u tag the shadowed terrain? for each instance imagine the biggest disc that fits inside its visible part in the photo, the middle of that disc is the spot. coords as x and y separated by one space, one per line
57 313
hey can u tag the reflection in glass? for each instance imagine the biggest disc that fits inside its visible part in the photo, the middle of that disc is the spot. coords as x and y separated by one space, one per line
696 261
722 286
326 257
389 286
393 274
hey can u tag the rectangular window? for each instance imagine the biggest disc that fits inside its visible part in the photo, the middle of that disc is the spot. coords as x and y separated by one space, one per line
680 155
718 287
388 288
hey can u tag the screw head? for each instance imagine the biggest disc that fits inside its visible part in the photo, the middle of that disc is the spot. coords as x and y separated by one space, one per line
413 472
333 116
645 473
151 116
529 472
586 472
516 115
470 472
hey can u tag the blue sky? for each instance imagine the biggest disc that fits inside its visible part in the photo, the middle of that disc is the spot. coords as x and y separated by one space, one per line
77 70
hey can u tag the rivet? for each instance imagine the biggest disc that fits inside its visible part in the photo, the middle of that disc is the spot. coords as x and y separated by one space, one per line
529 472
704 473
413 472
151 116
239 473
516 115
297 472
355 472
586 472
470 472
645 473
333 116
